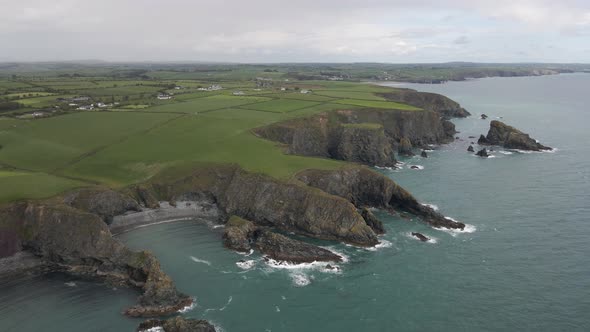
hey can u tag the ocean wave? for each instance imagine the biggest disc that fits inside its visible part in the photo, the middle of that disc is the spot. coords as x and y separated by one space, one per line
432 206
246 265
70 284
382 244
300 279
277 309
188 307
198 260
506 152
154 329
468 228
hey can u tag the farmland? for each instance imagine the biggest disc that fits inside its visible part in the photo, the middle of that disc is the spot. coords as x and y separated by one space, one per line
48 145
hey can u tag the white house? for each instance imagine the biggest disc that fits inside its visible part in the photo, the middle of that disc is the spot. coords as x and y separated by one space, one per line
163 96
238 93
305 91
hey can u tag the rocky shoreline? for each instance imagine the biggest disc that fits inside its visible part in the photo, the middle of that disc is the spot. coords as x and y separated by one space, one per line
257 209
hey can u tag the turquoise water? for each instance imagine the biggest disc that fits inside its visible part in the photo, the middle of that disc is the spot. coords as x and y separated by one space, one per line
526 265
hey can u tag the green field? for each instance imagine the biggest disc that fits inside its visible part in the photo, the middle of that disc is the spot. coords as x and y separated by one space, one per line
144 136
282 105
377 104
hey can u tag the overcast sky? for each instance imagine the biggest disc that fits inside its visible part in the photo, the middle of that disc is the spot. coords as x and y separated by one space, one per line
296 30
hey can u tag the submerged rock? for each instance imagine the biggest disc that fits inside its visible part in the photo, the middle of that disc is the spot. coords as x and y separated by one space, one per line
420 237
511 138
483 153
177 324
424 154
471 149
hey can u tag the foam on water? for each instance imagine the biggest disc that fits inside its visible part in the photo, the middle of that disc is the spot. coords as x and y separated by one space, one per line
506 152
246 265
198 260
300 279
432 206
382 244
70 284
189 307
413 167
246 254
155 329
468 228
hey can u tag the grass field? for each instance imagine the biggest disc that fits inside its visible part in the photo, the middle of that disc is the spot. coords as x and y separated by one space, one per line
42 157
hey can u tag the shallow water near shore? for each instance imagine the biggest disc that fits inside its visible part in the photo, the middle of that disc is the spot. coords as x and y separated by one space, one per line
524 265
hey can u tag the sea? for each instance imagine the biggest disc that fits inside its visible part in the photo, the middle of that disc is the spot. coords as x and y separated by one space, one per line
523 263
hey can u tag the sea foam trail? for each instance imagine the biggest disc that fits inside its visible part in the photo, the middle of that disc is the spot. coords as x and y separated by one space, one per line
382 244
198 260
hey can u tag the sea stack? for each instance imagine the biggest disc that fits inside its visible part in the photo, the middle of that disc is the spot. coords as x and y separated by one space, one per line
511 138
470 148
424 154
483 153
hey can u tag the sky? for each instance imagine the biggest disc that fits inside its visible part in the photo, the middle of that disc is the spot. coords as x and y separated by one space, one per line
395 31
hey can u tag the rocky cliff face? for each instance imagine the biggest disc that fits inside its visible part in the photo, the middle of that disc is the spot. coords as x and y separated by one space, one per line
290 207
427 101
79 242
366 188
510 138
365 136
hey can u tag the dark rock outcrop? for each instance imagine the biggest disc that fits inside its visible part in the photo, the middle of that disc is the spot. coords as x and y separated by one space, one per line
471 149
105 203
375 224
177 324
483 140
483 116
366 136
288 206
79 243
405 147
424 154
483 153
420 237
427 101
364 187
239 234
282 248
243 235
511 138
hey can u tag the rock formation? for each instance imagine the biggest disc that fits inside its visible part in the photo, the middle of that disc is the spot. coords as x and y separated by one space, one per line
177 324
79 242
243 235
483 116
483 140
424 154
405 147
427 101
375 224
511 138
470 148
364 187
366 136
420 237
483 153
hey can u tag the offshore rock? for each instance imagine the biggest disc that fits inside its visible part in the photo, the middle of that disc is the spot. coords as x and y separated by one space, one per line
420 237
243 235
483 153
483 116
424 154
512 138
427 101
471 149
282 248
177 324
405 147
364 187
483 140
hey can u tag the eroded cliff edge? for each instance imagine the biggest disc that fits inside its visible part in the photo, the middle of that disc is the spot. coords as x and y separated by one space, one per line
427 101
367 136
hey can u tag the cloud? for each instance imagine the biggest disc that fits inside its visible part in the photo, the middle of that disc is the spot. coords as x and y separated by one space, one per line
275 30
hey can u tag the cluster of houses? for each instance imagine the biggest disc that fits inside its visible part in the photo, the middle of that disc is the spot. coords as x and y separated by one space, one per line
214 87
164 96
90 107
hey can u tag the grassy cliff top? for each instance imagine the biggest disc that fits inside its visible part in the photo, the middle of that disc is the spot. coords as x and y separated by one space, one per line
137 135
